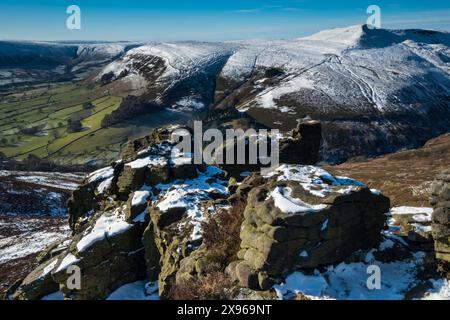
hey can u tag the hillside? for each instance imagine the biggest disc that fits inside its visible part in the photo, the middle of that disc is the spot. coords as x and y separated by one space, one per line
375 91
161 227
406 176
37 121
28 63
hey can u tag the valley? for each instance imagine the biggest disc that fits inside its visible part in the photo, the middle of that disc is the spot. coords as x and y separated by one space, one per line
90 175
375 91
36 122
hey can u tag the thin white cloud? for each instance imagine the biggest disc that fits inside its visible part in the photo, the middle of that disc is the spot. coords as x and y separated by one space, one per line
418 19
248 10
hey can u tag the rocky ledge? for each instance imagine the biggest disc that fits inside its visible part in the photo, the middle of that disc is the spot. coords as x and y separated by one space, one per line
130 221
303 217
441 219
144 217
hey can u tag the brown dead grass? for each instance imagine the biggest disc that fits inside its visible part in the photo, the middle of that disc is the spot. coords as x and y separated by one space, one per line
213 286
406 176
15 270
221 234
221 241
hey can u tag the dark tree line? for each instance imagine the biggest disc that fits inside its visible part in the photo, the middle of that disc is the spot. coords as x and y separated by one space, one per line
130 108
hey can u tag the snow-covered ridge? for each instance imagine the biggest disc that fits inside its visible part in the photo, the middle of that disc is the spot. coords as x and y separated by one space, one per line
349 36
356 68
109 50
17 52
363 36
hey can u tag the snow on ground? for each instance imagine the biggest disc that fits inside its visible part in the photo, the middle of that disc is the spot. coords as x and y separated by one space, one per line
139 290
49 179
29 239
188 103
267 98
48 269
420 214
140 197
419 217
102 50
178 158
348 281
181 60
440 290
354 68
104 185
68 260
31 206
101 174
56 296
4 173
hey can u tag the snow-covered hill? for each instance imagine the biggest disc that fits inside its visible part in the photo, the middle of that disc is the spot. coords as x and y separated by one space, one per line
377 90
28 63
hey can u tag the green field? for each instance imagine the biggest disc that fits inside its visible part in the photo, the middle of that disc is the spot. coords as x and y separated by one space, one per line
36 122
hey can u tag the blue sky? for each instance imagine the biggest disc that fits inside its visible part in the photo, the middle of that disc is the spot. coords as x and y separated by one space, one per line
208 20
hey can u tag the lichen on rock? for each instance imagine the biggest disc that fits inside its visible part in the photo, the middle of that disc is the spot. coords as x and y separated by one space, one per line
302 217
440 200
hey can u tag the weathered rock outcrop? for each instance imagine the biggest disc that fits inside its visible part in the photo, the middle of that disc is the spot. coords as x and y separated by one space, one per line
303 145
141 218
302 217
440 200
414 226
136 219
298 146
175 227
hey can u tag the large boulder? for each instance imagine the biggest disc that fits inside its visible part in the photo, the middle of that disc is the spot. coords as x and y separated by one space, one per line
299 146
303 144
440 200
38 283
303 217
413 225
175 227
157 137
87 198
109 254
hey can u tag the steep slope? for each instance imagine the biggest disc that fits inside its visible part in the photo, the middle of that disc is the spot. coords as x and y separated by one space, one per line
376 90
406 176
31 63
32 216
177 74
141 229
373 97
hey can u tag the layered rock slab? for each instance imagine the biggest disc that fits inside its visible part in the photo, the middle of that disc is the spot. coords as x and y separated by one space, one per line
440 200
156 189
303 217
